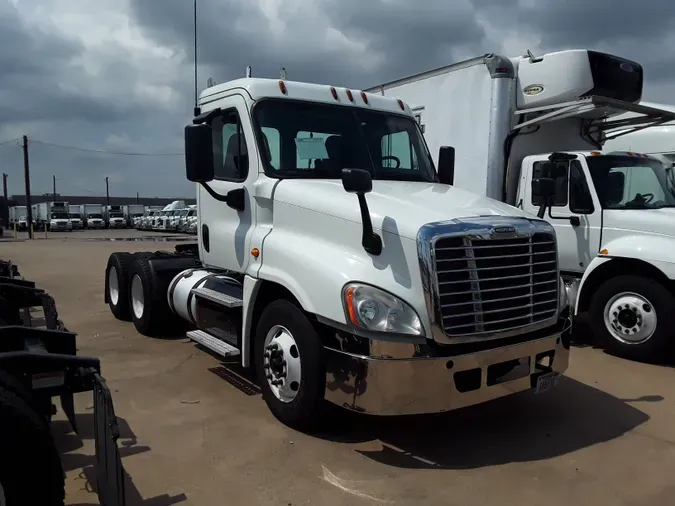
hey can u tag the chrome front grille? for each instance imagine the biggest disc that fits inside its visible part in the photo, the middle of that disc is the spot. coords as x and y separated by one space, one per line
493 285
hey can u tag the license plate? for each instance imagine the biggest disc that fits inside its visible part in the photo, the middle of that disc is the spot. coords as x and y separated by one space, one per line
546 381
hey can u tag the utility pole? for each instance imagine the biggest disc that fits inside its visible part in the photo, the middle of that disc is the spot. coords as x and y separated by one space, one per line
26 172
4 194
107 193
54 188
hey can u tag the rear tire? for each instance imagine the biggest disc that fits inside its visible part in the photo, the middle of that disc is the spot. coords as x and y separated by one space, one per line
634 317
148 302
117 284
300 406
30 468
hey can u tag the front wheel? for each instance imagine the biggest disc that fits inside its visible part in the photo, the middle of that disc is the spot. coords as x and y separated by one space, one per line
634 317
289 360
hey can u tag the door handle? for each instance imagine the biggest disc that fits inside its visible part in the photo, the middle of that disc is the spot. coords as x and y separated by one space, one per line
236 199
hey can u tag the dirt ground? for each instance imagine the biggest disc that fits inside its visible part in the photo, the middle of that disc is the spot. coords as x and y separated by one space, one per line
604 436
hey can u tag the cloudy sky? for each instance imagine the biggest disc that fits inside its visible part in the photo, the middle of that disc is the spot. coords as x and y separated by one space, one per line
107 78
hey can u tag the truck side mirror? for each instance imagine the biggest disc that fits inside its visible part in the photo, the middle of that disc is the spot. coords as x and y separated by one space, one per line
199 167
360 182
446 165
357 181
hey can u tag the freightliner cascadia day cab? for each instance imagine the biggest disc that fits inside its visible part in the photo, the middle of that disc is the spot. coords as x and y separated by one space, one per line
340 278
529 131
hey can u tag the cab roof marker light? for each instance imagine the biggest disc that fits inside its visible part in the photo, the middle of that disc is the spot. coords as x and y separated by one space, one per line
334 92
349 95
364 96
282 87
401 104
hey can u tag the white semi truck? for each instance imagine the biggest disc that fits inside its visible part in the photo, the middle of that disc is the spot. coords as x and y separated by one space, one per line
526 125
92 215
339 278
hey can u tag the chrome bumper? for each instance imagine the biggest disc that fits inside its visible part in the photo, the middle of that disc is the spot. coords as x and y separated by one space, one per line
415 385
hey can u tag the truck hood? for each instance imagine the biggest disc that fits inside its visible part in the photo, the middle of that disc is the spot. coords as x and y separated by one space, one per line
641 221
395 206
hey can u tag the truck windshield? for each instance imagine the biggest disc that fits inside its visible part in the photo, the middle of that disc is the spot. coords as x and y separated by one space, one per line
116 215
627 182
74 216
58 216
313 140
96 216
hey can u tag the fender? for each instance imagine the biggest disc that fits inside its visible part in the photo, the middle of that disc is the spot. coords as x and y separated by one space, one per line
659 251
656 251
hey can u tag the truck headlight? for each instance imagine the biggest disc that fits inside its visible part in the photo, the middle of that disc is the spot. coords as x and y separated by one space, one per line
373 309
564 299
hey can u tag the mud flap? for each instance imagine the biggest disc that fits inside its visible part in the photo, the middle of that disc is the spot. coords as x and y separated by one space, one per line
109 470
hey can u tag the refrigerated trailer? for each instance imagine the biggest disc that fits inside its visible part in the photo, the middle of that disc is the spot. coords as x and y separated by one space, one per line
92 215
529 131
51 216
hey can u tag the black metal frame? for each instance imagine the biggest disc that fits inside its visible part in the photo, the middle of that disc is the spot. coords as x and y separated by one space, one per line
27 352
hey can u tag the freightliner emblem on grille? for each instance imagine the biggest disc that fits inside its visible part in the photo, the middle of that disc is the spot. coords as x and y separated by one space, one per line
504 230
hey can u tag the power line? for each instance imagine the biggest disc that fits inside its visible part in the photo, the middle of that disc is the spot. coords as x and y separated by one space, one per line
8 141
75 148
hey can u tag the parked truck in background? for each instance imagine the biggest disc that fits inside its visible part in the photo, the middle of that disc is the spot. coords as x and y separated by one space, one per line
116 216
529 131
134 211
74 216
92 215
51 216
17 217
341 278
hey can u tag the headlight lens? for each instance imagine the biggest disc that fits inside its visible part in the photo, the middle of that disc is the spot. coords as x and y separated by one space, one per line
564 300
373 309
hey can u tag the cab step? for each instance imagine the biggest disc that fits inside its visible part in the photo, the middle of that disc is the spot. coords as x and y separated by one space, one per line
227 300
213 343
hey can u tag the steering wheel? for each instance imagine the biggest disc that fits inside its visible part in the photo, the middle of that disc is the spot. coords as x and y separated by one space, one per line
646 197
392 157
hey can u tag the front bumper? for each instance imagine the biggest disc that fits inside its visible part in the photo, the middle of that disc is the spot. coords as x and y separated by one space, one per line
118 224
415 384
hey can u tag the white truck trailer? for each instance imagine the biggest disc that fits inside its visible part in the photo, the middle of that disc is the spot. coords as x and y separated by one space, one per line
74 216
92 215
519 122
51 216
339 278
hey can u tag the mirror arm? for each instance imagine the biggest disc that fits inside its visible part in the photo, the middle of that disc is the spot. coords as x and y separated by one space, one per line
213 193
370 241
206 117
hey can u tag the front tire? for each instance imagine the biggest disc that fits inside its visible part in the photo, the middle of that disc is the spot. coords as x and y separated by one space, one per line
289 360
634 317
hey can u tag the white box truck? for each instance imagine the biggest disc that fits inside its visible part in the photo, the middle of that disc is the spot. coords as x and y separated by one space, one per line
74 216
92 215
115 216
542 121
18 217
51 216
339 278
134 213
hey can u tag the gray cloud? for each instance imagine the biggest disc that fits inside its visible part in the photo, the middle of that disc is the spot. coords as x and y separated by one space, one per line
133 92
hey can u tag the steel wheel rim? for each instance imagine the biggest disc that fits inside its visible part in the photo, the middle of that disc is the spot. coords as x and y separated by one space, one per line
137 296
281 364
630 318
113 286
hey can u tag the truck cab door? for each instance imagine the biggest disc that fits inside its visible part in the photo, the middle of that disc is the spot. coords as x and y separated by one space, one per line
225 231
576 212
